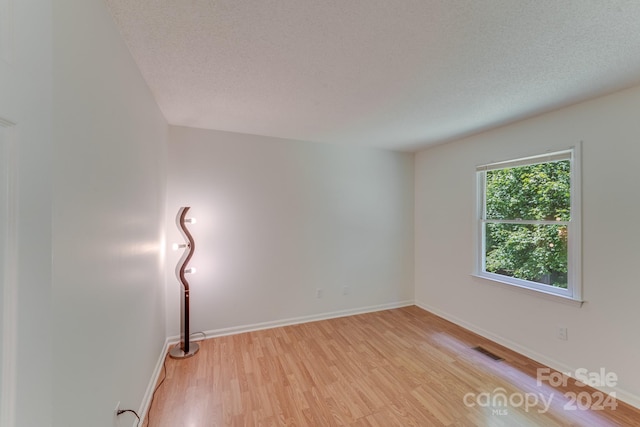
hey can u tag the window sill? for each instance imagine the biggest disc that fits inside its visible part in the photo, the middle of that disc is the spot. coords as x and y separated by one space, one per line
535 292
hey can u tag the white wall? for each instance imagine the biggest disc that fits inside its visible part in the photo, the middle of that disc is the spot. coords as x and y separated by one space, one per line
278 219
25 100
603 332
109 185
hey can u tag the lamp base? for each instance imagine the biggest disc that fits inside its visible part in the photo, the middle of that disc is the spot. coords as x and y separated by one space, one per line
178 353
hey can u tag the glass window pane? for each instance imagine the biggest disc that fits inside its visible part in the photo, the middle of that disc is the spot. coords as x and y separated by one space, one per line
534 192
533 252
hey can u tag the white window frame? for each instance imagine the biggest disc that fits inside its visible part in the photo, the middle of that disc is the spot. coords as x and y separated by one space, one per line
574 249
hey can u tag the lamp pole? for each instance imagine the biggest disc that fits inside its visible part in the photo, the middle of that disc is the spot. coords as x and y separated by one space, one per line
185 349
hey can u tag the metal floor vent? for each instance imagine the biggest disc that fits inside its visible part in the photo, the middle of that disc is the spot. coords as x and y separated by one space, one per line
488 353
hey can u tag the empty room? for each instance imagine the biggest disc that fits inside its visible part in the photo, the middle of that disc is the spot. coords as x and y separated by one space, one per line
363 213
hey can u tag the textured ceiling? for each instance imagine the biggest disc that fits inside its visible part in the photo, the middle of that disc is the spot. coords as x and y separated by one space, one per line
397 74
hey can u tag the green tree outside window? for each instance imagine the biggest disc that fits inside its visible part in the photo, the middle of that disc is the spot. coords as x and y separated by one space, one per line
526 213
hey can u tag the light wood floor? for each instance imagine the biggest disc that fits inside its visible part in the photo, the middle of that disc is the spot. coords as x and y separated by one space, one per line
402 367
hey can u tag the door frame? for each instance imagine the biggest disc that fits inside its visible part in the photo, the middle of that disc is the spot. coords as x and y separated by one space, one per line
9 276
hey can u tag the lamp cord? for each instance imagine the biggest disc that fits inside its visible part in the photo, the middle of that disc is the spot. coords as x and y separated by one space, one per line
122 411
153 396
164 377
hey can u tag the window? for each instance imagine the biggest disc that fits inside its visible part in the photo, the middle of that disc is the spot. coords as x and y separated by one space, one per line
528 223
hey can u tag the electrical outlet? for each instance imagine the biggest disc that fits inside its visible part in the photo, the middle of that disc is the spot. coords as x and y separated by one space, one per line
318 293
345 290
562 333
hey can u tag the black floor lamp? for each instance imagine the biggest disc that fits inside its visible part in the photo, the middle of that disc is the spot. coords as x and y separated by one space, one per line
185 348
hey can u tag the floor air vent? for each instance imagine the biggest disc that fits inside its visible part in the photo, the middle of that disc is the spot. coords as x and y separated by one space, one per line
488 353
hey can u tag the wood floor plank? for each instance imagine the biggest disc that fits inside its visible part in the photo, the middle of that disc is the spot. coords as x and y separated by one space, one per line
402 367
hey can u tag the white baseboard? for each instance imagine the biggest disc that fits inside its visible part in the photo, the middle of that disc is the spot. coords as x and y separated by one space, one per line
294 321
146 401
621 395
